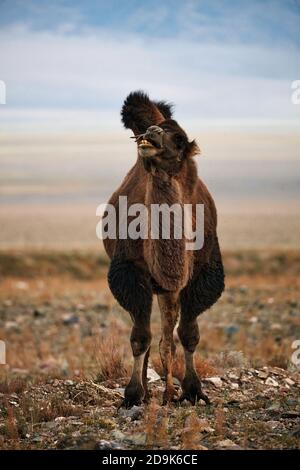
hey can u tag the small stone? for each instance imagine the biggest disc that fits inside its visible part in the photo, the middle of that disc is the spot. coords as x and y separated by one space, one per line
234 386
21 285
262 375
107 445
60 419
12 326
276 327
273 424
70 319
233 376
69 383
152 376
118 435
289 381
133 413
216 381
274 406
137 439
271 382
227 444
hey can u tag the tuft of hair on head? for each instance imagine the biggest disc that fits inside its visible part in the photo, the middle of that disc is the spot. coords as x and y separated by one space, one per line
139 112
165 108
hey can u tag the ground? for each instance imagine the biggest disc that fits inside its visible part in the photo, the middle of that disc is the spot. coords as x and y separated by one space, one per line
68 359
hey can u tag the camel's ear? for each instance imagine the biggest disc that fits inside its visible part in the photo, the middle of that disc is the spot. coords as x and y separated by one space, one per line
193 149
139 112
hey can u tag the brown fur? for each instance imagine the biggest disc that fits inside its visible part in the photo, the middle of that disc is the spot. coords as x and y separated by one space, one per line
192 279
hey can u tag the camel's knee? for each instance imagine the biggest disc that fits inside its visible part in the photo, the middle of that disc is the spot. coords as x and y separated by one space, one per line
140 340
189 335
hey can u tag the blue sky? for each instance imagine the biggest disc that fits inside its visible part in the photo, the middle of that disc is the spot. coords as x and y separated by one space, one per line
217 60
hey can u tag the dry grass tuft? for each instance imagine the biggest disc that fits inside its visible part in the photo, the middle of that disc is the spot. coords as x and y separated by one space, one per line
156 426
191 432
109 356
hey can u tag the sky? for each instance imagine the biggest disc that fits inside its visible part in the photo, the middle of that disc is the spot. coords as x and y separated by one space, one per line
70 64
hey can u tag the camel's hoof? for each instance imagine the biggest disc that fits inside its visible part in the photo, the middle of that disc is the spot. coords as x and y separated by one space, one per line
134 395
194 398
192 391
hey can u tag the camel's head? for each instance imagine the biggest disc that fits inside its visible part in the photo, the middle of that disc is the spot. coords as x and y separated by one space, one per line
165 146
162 143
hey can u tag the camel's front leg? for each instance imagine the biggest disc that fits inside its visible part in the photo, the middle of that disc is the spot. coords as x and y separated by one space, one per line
132 288
188 332
169 306
140 340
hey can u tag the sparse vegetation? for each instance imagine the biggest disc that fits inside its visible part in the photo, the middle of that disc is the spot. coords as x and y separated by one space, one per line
68 360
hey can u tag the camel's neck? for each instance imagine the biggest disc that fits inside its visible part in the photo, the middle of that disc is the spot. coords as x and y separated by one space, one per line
165 249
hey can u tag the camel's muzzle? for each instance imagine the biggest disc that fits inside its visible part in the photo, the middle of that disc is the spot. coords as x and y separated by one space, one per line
151 142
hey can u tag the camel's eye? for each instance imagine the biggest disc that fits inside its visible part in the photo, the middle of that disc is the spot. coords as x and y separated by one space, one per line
179 140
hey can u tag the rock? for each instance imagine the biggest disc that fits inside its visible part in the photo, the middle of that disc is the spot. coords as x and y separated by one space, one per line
272 424
118 435
176 382
21 285
227 444
243 289
289 381
271 382
133 413
233 376
231 330
107 445
80 307
274 407
234 386
152 375
12 326
216 381
69 383
295 432
70 319
262 375
276 327
137 439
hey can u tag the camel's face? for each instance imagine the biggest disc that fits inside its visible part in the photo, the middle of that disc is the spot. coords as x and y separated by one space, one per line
163 146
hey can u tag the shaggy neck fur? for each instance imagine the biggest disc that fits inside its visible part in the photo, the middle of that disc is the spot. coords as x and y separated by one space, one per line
168 260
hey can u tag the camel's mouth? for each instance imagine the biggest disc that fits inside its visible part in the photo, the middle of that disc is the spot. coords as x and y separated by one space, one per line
148 148
146 144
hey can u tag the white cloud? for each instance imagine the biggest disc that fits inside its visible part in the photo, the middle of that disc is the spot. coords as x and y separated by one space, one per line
97 68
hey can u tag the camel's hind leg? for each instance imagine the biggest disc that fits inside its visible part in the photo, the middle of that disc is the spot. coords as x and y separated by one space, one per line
169 307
